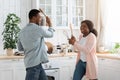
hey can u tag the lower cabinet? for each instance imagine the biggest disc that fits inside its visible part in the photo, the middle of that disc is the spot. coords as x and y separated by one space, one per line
65 73
6 74
19 74
109 69
14 69
67 68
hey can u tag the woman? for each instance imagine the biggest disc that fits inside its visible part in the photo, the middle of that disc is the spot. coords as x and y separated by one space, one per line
86 63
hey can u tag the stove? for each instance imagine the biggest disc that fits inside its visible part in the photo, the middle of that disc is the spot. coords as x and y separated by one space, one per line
52 72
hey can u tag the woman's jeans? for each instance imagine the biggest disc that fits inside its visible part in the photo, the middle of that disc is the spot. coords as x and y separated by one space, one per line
80 70
35 73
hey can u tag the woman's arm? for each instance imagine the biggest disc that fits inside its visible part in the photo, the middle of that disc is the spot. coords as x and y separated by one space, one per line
90 43
78 58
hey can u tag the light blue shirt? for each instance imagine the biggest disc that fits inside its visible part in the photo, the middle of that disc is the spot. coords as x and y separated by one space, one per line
31 41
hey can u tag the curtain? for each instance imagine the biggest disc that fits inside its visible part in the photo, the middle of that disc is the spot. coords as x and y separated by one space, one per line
101 23
108 16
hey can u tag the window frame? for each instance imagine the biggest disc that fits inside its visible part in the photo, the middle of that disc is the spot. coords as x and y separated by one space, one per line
69 15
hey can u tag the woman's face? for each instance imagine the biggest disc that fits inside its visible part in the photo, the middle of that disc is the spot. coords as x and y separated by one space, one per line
84 29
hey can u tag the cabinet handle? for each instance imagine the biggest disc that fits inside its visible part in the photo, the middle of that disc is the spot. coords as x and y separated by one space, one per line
70 57
102 59
71 78
15 59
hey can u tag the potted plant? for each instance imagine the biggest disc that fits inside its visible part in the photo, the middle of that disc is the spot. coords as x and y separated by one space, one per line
10 33
116 48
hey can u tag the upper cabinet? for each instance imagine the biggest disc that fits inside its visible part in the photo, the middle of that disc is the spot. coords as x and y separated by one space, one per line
64 12
78 11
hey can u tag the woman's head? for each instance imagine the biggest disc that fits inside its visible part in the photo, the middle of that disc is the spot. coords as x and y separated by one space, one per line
87 26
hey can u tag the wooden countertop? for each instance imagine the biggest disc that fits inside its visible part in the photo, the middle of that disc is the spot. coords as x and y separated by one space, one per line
100 55
4 57
109 56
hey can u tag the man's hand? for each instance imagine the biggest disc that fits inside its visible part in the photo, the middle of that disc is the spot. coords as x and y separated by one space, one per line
48 21
50 47
72 40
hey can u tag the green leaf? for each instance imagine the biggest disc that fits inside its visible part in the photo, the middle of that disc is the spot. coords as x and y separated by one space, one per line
11 30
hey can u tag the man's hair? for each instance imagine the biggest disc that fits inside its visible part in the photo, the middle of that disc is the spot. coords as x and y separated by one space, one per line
33 13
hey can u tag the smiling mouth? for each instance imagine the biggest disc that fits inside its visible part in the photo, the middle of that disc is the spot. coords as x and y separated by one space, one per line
82 30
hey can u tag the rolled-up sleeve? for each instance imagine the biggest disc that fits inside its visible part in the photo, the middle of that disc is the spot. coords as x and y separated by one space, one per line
90 43
47 33
20 47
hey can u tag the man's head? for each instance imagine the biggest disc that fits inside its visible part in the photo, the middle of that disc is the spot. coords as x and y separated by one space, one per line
34 16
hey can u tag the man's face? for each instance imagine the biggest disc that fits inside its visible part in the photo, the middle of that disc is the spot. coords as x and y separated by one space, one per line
38 19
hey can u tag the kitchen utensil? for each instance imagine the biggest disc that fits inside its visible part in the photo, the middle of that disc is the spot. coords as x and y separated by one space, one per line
44 15
71 29
66 34
42 12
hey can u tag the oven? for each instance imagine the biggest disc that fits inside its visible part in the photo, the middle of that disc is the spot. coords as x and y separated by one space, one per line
51 71
52 74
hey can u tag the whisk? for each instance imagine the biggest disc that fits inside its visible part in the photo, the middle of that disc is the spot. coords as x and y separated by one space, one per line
44 14
66 34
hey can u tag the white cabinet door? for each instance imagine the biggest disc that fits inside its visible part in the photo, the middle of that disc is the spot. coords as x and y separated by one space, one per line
12 70
6 74
67 68
65 73
6 70
19 74
108 69
19 70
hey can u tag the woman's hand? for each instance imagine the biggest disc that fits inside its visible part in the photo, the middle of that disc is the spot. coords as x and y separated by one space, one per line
72 40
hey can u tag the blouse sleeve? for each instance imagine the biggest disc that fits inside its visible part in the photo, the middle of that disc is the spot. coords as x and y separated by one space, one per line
89 45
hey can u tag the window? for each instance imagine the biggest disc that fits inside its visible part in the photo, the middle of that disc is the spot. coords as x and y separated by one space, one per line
78 12
63 12
46 5
112 30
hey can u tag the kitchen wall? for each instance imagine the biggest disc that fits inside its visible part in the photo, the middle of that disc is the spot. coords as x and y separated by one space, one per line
22 7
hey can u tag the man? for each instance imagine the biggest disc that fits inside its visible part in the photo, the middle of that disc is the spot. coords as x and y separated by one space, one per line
31 41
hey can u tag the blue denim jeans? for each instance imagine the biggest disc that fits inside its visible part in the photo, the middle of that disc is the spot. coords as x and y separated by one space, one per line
80 70
35 73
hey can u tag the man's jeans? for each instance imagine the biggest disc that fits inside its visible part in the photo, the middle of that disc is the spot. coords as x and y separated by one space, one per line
35 73
80 70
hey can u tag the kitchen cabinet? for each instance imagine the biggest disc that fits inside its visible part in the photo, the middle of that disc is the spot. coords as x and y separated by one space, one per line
6 70
20 74
65 73
67 67
109 69
6 74
63 11
12 70
19 70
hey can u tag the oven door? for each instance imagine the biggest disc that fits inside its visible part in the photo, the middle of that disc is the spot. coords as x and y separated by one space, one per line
52 74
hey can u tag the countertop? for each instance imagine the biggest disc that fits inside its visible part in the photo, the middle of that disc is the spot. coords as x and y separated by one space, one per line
3 57
115 56
100 55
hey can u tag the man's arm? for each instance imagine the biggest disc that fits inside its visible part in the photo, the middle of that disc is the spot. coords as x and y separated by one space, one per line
20 47
47 32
